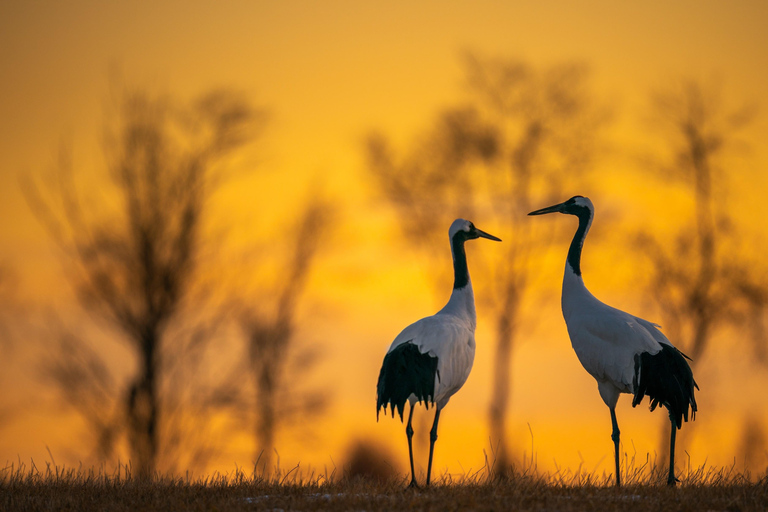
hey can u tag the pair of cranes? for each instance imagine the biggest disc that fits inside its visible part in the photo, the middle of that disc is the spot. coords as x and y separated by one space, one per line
430 360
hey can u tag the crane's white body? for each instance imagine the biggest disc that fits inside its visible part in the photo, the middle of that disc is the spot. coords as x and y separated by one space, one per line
606 339
448 335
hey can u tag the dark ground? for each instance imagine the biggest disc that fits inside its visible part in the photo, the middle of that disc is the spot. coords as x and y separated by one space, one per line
71 491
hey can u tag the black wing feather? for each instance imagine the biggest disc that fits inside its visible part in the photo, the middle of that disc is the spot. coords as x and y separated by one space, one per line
667 379
405 371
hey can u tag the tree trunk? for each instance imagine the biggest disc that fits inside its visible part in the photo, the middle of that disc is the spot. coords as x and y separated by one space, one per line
265 423
143 413
499 406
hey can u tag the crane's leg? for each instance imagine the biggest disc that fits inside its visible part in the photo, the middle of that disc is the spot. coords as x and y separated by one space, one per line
432 439
671 480
409 433
615 435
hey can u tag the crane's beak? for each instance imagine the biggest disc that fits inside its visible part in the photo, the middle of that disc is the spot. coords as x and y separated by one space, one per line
549 209
483 234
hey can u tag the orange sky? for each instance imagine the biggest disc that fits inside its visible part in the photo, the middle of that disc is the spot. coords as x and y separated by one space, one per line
329 72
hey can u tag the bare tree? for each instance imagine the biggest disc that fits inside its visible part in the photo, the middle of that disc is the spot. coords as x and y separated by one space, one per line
276 363
753 448
7 289
524 135
700 284
8 313
134 268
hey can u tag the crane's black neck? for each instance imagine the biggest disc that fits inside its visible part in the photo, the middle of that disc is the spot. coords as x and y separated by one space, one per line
460 268
574 252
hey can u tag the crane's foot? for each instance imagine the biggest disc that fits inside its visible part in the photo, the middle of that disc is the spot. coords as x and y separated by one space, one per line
672 481
413 485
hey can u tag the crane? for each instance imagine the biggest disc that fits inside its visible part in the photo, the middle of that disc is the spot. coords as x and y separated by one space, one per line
624 353
429 361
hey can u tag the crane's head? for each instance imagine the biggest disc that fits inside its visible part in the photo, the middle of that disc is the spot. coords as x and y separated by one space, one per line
465 230
577 205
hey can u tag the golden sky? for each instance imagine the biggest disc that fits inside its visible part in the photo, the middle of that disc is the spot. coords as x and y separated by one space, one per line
329 72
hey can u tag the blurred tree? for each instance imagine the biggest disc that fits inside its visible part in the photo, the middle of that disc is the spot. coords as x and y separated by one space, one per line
134 267
524 136
274 361
701 282
753 446
8 315
7 291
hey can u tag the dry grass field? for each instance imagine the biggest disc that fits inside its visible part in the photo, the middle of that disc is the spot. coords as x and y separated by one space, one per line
24 488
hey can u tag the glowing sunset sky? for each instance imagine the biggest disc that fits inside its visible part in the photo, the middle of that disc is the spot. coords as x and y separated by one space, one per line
329 72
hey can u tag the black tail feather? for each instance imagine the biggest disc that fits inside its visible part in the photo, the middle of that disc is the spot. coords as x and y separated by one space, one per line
405 371
667 380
